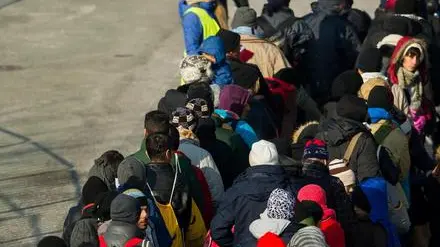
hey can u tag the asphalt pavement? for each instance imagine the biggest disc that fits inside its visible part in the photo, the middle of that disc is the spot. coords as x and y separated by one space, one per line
76 79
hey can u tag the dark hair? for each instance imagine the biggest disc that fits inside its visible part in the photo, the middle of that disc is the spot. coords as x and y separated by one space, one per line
156 121
157 145
110 158
413 52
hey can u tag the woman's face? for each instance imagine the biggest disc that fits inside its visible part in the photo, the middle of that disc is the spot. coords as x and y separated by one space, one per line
411 63
143 218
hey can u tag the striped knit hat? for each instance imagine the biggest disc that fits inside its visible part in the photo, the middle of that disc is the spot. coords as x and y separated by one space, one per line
310 236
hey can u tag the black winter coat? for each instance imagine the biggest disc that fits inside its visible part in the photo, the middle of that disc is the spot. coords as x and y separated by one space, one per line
296 36
244 202
333 51
75 214
337 133
369 234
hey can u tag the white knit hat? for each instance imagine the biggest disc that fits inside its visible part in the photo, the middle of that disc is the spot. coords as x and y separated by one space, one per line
263 153
339 169
418 47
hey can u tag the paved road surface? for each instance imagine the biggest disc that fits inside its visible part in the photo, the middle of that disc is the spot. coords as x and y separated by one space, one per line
76 78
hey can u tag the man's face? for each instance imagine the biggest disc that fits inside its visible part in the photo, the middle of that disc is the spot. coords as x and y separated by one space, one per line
143 218
411 63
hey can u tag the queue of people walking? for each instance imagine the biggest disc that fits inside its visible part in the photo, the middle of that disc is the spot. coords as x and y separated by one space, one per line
282 131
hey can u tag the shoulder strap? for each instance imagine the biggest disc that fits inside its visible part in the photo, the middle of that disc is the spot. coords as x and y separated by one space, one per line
351 147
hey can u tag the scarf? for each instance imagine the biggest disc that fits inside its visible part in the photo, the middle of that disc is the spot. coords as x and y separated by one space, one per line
411 82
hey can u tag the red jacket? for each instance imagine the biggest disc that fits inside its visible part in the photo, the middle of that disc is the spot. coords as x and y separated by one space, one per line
334 235
208 211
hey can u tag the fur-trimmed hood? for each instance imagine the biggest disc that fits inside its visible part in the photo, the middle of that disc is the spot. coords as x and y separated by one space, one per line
298 133
396 59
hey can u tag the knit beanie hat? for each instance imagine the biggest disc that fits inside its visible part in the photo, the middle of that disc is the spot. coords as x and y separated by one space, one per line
310 236
92 188
230 39
291 76
234 98
352 107
348 82
313 192
51 241
132 173
184 118
106 167
196 69
125 208
263 153
280 204
200 90
406 7
370 60
200 107
360 200
316 149
270 240
381 97
244 17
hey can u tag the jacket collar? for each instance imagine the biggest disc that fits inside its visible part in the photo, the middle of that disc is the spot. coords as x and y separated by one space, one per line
377 114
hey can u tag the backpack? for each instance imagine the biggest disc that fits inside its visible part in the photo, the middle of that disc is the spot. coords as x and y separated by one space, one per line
196 230
133 242
85 231
339 167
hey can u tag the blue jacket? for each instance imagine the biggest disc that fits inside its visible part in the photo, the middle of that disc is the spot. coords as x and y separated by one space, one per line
240 127
376 191
244 202
192 27
222 71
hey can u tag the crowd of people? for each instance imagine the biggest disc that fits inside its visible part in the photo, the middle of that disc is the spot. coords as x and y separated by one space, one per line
285 131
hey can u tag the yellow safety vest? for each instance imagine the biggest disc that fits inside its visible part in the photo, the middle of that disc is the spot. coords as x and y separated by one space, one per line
209 24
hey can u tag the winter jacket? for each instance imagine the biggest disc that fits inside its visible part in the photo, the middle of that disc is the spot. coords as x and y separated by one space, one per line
202 159
285 229
262 119
267 56
119 233
337 198
240 151
369 234
334 49
222 155
243 203
192 27
222 71
337 133
334 235
360 21
387 134
418 93
75 214
72 217
308 106
160 178
241 127
296 36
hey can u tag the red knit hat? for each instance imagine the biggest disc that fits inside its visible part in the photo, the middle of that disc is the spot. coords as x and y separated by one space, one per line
270 240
